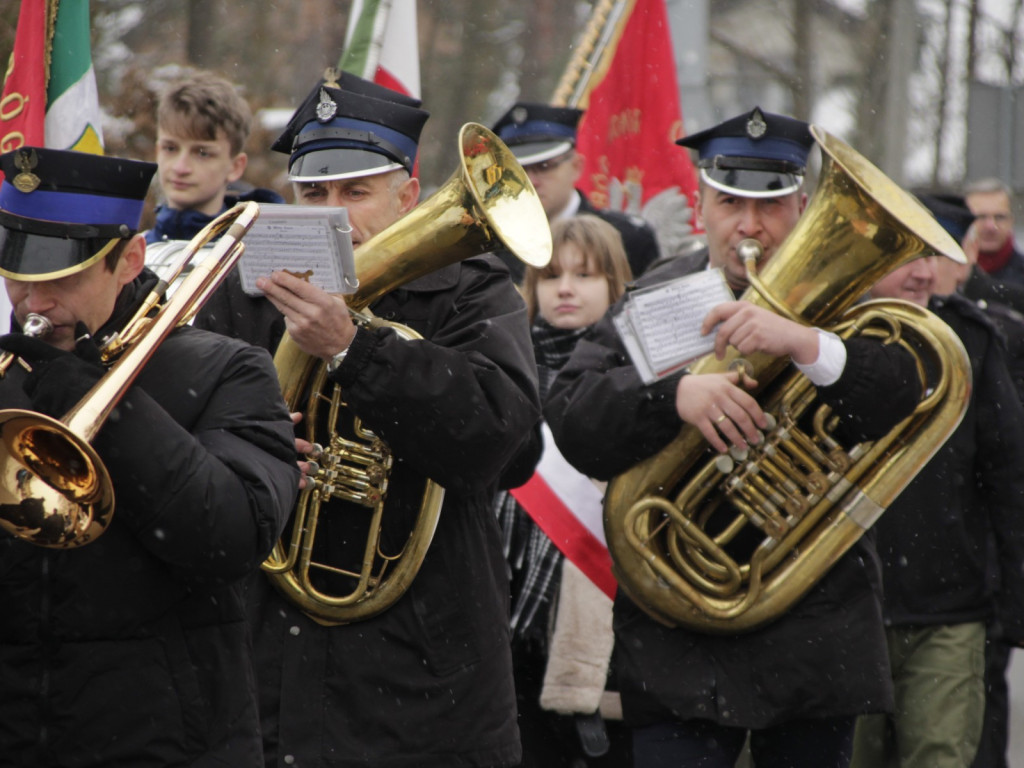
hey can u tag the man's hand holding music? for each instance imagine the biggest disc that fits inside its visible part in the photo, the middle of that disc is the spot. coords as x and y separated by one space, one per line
318 321
753 329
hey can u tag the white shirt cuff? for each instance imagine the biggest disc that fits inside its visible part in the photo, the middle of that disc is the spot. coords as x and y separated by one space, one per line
830 363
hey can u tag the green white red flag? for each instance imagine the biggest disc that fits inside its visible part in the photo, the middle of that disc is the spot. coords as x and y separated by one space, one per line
381 44
49 96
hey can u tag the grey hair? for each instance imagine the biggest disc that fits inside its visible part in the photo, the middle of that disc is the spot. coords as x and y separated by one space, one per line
987 186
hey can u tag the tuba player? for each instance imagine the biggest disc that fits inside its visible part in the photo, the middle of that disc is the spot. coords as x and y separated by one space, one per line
796 685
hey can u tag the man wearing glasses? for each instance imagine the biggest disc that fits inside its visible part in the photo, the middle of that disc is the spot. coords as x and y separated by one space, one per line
543 139
989 201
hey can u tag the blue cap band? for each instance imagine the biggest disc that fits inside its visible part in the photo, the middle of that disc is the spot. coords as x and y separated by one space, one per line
739 146
390 139
536 130
71 207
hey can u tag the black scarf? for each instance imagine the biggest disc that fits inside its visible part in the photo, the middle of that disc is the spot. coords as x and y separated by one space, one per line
552 347
534 561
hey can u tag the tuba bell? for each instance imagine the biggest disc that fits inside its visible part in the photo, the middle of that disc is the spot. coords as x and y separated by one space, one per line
727 543
55 491
487 202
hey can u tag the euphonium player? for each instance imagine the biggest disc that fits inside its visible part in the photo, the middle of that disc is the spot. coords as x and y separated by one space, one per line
797 684
131 649
428 682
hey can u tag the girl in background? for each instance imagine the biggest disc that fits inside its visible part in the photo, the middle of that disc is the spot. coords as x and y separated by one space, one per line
566 718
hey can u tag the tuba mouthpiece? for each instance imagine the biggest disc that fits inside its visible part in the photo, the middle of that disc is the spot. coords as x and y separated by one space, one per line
749 250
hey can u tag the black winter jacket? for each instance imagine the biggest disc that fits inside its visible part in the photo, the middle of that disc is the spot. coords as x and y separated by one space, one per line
827 656
933 539
429 681
133 649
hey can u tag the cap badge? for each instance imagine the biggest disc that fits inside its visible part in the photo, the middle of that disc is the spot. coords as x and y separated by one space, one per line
756 126
26 181
519 115
326 109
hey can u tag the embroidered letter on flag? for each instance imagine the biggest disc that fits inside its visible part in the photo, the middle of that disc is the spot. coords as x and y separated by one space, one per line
566 505
50 97
23 107
633 117
381 44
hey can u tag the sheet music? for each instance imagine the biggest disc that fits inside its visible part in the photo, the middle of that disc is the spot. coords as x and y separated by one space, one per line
660 326
309 241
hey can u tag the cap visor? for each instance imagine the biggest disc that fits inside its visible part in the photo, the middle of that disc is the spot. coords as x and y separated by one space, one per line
30 257
736 181
538 152
339 163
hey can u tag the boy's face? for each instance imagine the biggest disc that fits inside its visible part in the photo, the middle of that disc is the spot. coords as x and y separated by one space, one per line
194 174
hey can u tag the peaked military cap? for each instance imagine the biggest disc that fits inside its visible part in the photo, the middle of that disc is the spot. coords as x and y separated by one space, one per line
62 211
349 127
950 211
756 154
538 132
346 81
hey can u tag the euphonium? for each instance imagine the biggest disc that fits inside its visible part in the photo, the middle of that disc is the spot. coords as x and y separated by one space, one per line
727 543
55 490
487 202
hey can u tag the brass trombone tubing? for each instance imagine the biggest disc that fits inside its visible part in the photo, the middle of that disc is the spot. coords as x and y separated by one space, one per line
58 469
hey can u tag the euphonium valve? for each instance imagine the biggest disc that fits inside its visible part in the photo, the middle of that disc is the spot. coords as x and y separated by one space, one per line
487 202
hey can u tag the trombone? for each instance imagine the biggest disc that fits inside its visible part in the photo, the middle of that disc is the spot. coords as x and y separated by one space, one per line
54 489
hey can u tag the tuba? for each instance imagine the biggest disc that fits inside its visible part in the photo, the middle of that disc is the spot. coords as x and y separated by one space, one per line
487 202
727 543
55 490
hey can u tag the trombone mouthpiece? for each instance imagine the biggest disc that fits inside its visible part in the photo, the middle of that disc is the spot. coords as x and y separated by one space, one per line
37 326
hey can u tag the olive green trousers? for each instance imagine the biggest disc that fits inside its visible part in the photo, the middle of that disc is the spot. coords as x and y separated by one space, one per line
939 678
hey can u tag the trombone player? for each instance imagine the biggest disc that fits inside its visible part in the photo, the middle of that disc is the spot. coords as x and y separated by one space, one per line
795 685
132 648
428 681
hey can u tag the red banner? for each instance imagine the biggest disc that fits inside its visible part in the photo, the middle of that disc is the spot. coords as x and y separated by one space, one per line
633 117
23 106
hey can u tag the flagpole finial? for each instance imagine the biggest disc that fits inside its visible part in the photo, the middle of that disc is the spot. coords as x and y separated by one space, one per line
331 75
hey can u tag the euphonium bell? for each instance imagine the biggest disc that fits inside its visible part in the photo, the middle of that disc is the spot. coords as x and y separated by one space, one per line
488 202
725 544
55 490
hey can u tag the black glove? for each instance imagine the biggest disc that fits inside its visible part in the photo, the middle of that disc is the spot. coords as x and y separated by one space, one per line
59 379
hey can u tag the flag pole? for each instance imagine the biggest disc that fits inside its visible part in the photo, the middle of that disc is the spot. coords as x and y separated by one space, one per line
375 13
606 23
